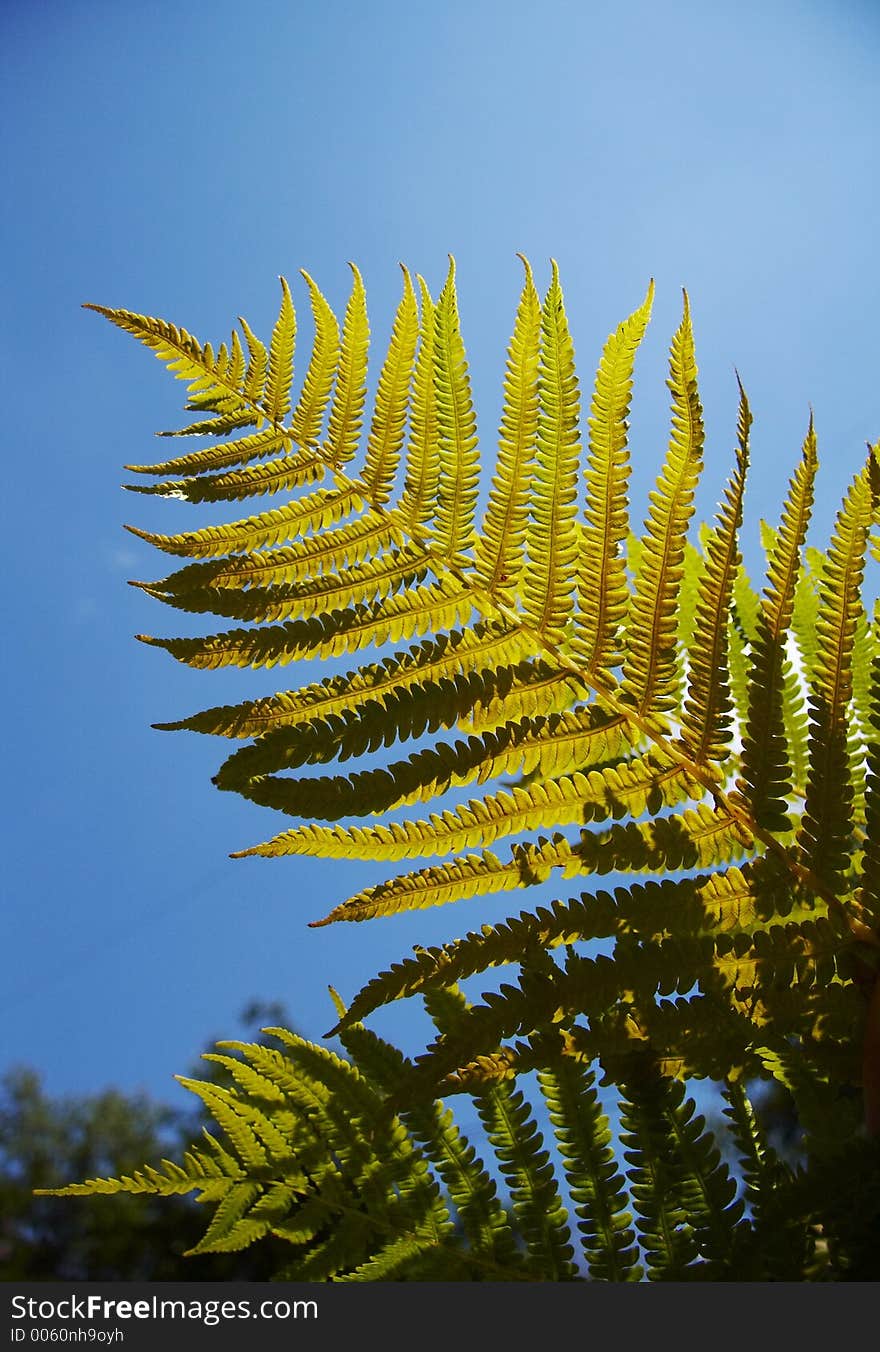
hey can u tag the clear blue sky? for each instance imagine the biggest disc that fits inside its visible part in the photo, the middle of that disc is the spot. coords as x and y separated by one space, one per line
175 159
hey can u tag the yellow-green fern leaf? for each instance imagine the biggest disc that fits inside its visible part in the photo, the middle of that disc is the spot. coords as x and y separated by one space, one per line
214 383
276 396
548 583
347 408
366 582
285 474
602 583
419 501
392 400
430 666
706 714
498 555
459 467
308 416
325 507
650 670
767 772
572 800
325 635
255 446
824 834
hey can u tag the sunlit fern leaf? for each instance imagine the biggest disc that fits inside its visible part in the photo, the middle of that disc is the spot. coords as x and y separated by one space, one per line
418 501
227 455
499 548
456 430
325 507
548 583
349 395
650 664
706 714
610 681
826 823
602 584
767 771
213 384
279 378
308 416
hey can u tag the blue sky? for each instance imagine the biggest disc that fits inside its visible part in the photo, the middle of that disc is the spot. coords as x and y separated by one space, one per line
174 160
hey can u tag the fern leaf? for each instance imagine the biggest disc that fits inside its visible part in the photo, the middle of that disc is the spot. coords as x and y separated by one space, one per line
570 800
407 692
650 670
458 462
602 582
276 397
596 1185
419 499
324 507
308 416
211 383
328 635
471 1189
255 446
392 400
767 777
285 474
826 823
707 709
498 558
548 590
347 408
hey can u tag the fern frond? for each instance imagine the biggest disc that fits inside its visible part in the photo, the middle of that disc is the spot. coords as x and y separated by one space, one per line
767 777
824 834
498 557
650 669
325 507
214 382
255 446
392 400
308 416
284 474
325 635
456 431
563 802
602 583
595 1183
706 714
548 588
347 408
418 502
276 396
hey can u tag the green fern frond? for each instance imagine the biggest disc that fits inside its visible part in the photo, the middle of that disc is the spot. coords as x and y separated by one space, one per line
498 558
349 395
706 714
392 400
826 825
650 669
308 416
602 584
767 777
456 430
548 583
596 1185
276 396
